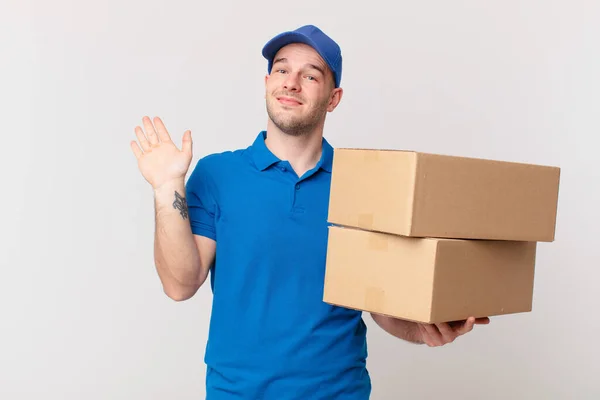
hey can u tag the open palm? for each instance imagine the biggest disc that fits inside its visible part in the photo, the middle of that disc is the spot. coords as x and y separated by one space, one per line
159 160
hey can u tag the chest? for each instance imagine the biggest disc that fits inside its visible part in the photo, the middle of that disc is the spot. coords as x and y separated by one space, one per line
275 209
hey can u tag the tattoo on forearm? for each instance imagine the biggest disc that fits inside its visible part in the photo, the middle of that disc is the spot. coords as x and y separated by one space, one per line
181 204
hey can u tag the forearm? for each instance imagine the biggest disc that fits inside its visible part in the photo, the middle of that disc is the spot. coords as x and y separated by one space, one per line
175 251
402 329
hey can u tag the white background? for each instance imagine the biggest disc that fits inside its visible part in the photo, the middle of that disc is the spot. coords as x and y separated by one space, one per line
83 313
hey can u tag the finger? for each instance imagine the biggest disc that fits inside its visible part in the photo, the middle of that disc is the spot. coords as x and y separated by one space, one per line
433 333
163 134
448 334
468 326
150 132
186 145
425 337
142 138
136 149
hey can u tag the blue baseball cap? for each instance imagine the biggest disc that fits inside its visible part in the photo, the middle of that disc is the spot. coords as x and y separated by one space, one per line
328 49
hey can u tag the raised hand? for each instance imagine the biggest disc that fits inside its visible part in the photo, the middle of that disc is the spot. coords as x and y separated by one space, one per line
159 160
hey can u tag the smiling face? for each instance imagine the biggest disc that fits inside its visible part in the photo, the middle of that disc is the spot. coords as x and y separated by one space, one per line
300 90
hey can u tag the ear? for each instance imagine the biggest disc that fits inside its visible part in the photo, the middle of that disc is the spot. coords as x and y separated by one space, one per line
266 81
336 97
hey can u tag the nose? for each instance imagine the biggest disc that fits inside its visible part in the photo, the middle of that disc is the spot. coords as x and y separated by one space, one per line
292 83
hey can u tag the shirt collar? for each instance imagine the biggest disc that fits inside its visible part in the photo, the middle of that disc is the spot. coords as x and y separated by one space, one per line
264 158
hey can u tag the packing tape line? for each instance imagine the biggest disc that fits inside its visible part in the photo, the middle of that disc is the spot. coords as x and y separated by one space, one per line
374 298
371 156
378 241
365 221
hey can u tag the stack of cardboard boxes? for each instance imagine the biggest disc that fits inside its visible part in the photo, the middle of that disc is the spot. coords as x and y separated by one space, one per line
436 238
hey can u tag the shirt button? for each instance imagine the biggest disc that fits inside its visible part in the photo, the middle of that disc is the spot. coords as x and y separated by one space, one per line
283 169
297 186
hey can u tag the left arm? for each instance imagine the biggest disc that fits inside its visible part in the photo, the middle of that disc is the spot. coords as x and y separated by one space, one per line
430 334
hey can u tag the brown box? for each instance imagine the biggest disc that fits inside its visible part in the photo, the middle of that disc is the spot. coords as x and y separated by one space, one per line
428 280
426 195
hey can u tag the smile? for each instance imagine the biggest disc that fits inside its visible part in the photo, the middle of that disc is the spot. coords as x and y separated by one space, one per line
288 101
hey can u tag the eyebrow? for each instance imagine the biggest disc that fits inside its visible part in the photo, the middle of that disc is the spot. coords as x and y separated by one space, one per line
313 66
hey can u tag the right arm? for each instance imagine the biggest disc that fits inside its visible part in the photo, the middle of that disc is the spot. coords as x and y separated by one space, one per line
182 259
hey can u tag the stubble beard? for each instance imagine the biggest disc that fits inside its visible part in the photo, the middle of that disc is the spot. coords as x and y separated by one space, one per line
297 125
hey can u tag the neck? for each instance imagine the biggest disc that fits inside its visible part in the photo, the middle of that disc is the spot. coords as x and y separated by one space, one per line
302 152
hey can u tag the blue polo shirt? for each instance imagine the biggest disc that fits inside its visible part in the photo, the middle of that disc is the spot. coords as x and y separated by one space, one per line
271 335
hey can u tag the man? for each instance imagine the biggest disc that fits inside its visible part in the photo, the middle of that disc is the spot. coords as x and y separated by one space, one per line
271 336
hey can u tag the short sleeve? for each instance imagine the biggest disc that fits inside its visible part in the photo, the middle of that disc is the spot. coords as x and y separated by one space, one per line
200 192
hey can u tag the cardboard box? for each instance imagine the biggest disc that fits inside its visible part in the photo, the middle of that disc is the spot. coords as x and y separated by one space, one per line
428 280
426 195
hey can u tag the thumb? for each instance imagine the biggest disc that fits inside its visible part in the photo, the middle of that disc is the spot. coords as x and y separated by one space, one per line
186 145
468 326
